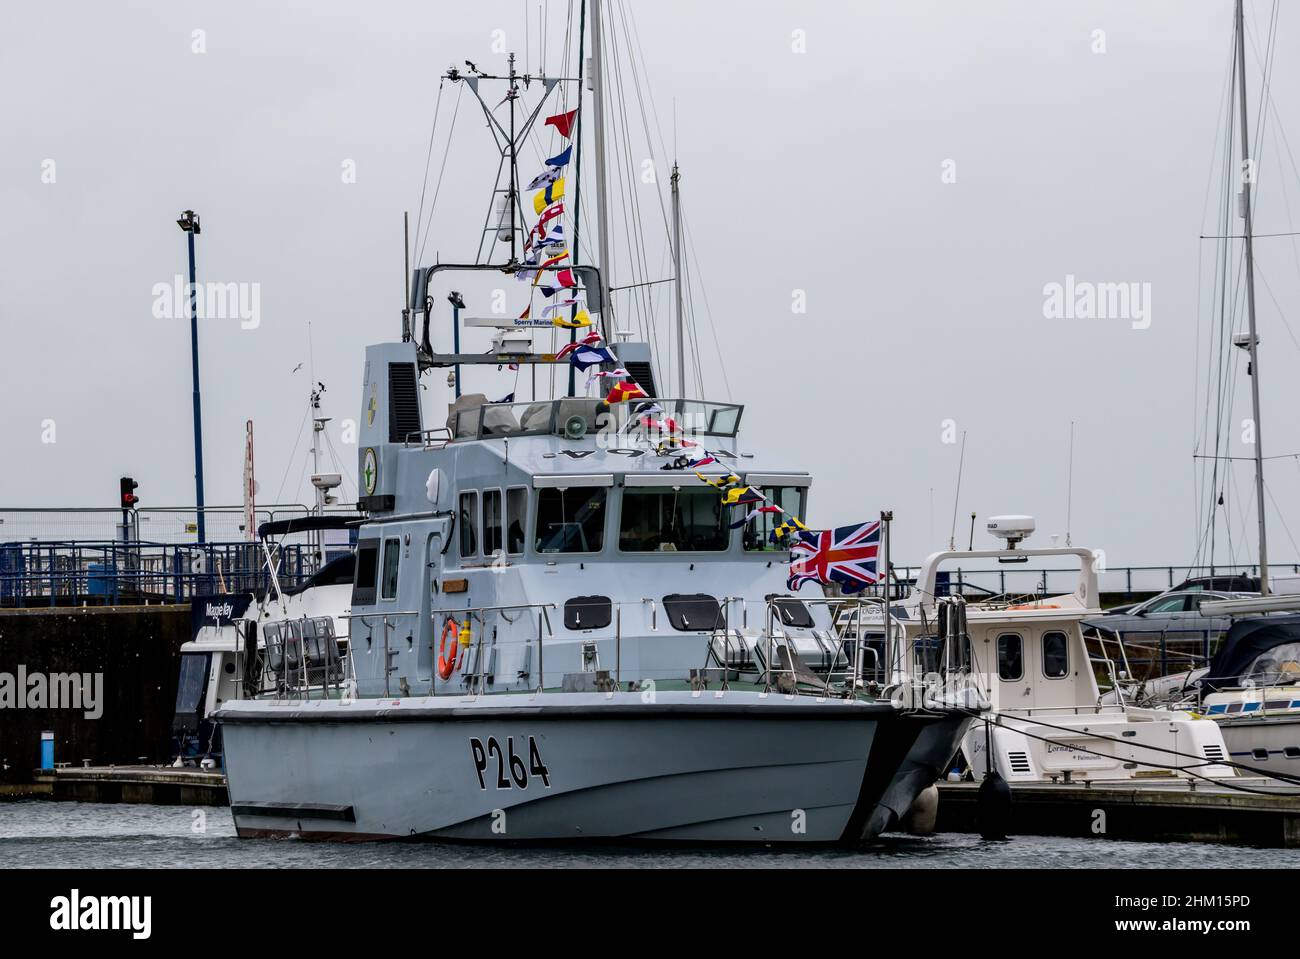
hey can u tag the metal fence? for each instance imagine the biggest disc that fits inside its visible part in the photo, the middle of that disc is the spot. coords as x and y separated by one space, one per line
224 524
1121 580
61 557
116 573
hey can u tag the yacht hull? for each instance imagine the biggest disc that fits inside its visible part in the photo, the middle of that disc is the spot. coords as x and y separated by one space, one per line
1270 744
708 767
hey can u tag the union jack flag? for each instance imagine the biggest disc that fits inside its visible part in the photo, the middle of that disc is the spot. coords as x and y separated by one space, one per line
847 555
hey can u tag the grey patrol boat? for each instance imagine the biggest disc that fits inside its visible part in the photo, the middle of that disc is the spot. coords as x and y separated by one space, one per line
555 636
631 668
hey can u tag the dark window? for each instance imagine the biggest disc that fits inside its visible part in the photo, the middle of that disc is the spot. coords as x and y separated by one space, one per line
692 612
588 612
1056 655
363 591
792 612
468 524
1011 660
492 522
667 520
571 520
194 680
516 519
392 555
1171 604
757 534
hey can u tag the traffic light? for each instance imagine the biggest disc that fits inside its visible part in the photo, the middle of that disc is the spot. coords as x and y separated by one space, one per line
129 499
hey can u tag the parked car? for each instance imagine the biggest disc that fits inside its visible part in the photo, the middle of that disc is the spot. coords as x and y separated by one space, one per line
1223 583
1168 629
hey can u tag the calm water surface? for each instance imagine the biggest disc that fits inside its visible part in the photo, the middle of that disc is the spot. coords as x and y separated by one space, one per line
91 835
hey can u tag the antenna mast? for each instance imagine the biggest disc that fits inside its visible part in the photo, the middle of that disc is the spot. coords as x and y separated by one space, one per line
1247 176
961 463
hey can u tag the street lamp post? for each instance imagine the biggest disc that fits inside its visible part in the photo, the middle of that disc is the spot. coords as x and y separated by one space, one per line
189 222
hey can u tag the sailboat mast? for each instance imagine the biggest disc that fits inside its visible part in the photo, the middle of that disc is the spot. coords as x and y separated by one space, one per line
602 199
677 282
1247 176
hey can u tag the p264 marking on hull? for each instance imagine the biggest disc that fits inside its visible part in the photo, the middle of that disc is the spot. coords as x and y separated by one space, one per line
508 760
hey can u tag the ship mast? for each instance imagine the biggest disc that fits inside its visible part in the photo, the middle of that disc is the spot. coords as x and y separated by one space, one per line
602 199
1247 176
677 281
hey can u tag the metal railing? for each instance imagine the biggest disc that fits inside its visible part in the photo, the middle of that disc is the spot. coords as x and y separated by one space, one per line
303 662
175 525
115 573
478 679
1126 580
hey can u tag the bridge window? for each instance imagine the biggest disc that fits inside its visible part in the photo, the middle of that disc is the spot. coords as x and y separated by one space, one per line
1056 655
468 521
392 556
363 590
492 521
1011 658
757 532
516 519
667 520
571 520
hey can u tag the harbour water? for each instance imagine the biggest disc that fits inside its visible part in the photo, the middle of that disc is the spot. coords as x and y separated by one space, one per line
60 835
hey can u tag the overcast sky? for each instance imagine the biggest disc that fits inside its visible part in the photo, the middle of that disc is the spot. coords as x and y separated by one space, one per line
921 171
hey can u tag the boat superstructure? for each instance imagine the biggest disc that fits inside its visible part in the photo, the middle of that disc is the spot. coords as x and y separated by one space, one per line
1050 720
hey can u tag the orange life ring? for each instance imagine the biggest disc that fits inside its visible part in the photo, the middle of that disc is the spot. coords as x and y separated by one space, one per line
1020 606
447 666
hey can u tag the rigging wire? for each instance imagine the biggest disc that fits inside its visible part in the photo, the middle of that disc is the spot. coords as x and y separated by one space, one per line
437 111
433 204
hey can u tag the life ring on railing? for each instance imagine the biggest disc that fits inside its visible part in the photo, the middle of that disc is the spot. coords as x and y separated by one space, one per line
447 665
1020 606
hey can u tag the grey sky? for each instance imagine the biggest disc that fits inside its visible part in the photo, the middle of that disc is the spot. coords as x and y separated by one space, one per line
818 171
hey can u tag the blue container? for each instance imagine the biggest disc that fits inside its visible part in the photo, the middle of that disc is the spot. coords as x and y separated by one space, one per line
47 750
99 579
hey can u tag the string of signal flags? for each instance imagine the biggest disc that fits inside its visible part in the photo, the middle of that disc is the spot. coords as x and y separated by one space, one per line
846 555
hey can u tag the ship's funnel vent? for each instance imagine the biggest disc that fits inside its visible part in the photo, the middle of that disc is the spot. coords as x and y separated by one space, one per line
644 378
635 358
403 402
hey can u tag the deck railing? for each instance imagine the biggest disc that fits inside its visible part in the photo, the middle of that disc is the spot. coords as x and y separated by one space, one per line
113 573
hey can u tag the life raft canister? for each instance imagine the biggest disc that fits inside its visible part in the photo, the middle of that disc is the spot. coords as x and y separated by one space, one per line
446 664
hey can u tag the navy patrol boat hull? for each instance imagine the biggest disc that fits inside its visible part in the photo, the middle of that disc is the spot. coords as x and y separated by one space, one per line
709 767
